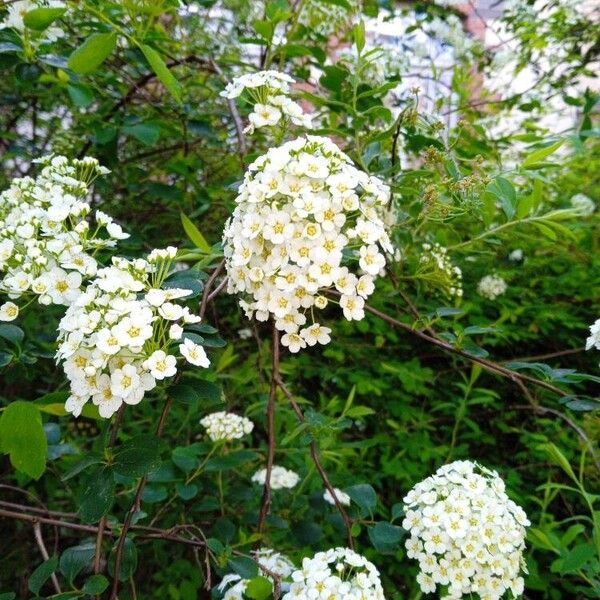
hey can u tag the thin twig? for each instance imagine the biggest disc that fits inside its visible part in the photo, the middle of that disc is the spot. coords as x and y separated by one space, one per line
266 497
487 364
135 507
314 452
235 115
207 288
39 539
541 410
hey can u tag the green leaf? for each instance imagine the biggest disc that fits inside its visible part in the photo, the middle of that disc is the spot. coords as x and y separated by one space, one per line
147 133
137 456
95 584
504 190
230 461
22 437
539 155
358 33
92 53
12 333
80 466
162 71
80 94
363 495
245 567
194 234
39 19
385 537
186 492
73 560
206 390
574 560
41 574
98 495
259 588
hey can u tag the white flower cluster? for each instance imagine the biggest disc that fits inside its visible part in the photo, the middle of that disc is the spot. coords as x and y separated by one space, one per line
226 426
273 562
322 18
467 535
435 266
280 478
47 241
342 497
269 91
337 573
593 340
14 19
584 204
115 340
491 286
303 210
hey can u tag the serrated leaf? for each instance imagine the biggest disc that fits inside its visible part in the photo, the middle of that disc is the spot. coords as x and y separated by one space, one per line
92 53
12 333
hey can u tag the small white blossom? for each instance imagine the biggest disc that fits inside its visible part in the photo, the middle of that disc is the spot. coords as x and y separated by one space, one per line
9 311
593 340
342 497
583 204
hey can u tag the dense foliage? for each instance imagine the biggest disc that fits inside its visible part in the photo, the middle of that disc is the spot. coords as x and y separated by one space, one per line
272 274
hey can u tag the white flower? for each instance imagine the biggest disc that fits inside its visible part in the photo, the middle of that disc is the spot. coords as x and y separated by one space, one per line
293 233
226 426
337 573
175 332
9 311
465 532
583 204
280 478
194 353
161 365
593 340
264 114
516 255
108 403
342 497
491 286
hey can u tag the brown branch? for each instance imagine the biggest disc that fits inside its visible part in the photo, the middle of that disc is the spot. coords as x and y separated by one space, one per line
207 288
314 452
39 539
141 532
266 497
135 506
487 364
518 379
